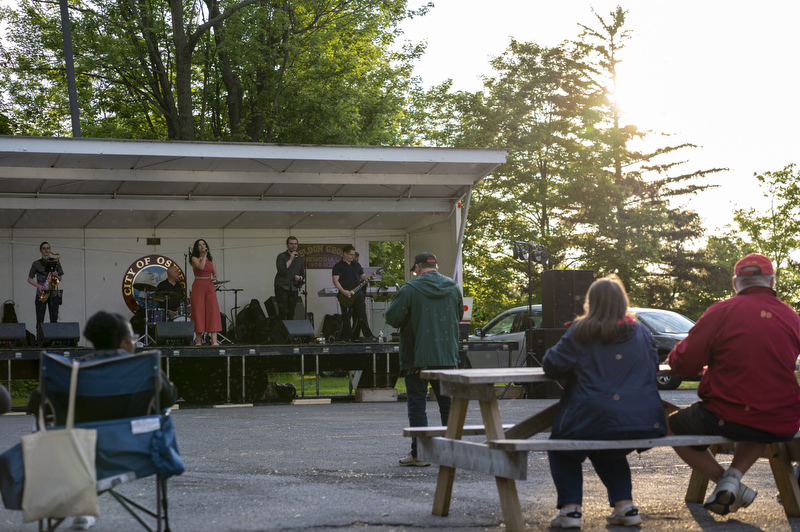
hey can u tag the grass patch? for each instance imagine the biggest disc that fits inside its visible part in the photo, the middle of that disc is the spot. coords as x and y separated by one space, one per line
21 391
333 385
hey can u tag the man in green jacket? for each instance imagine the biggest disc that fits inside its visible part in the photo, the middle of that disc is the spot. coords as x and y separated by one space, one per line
427 309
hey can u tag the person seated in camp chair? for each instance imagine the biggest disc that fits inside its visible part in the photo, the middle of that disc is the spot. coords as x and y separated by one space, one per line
111 335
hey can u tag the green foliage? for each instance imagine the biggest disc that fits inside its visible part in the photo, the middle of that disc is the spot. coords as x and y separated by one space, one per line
571 182
775 231
301 71
391 256
624 204
21 390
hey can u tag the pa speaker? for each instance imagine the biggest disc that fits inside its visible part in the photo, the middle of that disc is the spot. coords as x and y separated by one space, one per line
293 332
59 334
563 294
541 340
271 305
13 334
174 332
299 309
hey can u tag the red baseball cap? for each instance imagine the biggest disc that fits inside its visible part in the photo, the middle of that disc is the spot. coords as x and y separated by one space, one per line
754 264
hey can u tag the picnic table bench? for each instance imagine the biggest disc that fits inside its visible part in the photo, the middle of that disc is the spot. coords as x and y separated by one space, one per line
504 454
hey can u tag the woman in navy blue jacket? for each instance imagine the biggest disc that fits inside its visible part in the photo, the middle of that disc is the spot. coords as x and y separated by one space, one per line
609 361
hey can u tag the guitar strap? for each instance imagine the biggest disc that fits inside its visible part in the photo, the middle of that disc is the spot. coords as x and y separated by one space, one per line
355 274
356 327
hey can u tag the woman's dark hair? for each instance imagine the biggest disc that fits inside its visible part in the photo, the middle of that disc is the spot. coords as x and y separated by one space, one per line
606 304
106 330
196 249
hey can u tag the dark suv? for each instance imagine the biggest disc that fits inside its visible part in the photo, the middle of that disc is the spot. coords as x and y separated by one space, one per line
667 327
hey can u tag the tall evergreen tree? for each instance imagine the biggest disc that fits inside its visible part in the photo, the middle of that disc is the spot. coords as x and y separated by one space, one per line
627 207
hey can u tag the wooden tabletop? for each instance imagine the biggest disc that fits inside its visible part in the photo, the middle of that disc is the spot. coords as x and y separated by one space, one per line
486 375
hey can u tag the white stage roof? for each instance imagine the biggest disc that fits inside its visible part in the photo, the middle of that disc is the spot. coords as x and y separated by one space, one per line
50 182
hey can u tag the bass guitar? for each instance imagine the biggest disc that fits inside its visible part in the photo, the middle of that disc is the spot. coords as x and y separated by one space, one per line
347 302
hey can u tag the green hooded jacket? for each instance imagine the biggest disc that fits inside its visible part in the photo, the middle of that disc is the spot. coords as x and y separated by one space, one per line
427 309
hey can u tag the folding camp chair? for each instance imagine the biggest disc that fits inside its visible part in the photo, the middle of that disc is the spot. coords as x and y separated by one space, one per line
119 397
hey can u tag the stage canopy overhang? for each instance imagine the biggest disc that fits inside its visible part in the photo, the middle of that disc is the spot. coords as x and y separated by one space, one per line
85 183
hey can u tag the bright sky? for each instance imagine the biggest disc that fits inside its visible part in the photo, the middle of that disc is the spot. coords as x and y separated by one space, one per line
720 74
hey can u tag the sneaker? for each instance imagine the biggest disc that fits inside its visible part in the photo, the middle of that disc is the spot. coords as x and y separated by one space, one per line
411 460
744 498
627 515
724 495
569 517
83 522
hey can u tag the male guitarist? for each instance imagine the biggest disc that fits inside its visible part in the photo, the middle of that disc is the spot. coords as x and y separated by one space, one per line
349 273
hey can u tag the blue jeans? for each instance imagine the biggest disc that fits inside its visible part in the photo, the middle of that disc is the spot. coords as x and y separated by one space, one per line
611 466
417 399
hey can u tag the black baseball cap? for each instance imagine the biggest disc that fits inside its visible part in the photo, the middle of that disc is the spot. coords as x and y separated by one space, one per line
424 258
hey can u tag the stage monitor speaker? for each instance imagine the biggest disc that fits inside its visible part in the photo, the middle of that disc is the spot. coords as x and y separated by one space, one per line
175 333
13 335
271 305
59 334
563 294
293 332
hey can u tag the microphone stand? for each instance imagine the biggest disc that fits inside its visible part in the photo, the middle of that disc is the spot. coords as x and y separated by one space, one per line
220 336
305 290
186 278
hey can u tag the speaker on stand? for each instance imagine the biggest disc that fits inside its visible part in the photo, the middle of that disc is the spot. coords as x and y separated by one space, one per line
563 294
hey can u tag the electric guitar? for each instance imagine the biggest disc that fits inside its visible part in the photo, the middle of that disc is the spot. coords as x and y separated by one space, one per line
347 302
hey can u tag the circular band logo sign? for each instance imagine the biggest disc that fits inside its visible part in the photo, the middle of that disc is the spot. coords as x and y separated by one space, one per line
143 276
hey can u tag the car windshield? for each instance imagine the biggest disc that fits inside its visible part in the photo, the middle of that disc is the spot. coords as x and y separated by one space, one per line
514 321
666 322
501 326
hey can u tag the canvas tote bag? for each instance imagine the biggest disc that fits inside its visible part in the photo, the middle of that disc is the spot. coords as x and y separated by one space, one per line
60 475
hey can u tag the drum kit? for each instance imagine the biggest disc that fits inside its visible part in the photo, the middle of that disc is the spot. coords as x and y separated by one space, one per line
155 312
156 304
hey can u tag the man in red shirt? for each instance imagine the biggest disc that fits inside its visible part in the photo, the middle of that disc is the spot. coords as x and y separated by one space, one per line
749 391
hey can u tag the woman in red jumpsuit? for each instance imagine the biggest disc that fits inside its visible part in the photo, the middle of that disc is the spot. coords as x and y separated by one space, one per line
205 309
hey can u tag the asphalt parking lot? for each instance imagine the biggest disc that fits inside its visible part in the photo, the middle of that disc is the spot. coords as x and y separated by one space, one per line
334 467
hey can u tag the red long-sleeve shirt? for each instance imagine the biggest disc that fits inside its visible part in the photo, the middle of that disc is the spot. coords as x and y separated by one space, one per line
750 344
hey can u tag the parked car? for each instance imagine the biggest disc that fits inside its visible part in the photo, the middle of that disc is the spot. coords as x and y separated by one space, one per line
667 328
508 326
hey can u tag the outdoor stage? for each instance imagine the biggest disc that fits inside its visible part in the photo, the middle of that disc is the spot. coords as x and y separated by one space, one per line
232 374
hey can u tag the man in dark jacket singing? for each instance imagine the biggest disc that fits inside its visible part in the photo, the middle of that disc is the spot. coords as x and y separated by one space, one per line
427 309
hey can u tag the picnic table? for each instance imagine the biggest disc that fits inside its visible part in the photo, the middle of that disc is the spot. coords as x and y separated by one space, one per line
504 455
